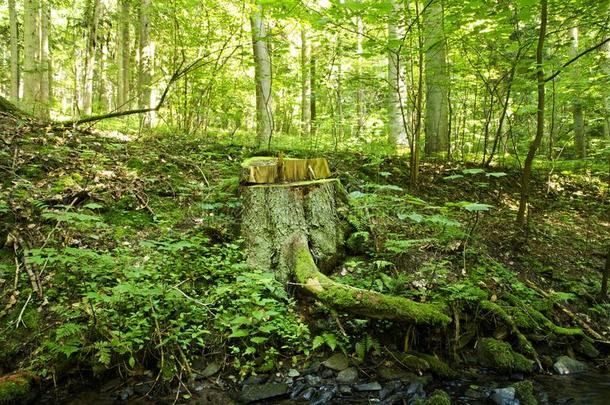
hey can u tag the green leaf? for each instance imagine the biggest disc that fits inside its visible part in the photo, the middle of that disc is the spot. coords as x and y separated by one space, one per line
474 207
496 174
473 171
453 177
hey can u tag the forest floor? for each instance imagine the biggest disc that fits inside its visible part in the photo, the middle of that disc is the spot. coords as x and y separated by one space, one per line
122 258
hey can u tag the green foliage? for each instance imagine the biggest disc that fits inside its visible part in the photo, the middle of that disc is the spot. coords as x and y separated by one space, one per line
500 355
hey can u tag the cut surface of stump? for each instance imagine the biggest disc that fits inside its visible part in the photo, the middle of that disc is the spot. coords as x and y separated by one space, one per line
296 229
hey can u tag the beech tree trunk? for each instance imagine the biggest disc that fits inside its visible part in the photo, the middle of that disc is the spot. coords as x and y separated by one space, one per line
606 50
14 34
262 77
31 49
305 84
145 67
92 16
360 91
580 144
396 127
437 80
123 56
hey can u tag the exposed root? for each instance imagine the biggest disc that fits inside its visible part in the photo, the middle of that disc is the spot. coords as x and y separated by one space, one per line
358 301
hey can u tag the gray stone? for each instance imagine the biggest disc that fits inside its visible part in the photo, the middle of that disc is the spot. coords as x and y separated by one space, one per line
251 393
337 362
567 365
348 376
345 390
293 373
371 386
211 369
325 394
503 396
313 379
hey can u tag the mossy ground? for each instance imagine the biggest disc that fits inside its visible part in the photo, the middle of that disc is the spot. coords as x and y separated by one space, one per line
174 191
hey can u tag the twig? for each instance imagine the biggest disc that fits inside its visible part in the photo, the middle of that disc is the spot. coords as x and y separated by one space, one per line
19 319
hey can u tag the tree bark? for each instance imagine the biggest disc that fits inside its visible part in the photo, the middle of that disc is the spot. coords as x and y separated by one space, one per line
396 127
437 80
606 64
604 289
92 19
31 45
577 110
305 84
360 90
123 56
262 77
45 60
531 154
145 67
14 34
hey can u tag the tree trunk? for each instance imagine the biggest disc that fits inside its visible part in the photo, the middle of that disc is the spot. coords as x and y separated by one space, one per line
262 77
293 229
604 290
145 67
577 110
360 89
92 17
531 154
305 84
437 80
31 48
45 60
14 34
396 127
123 56
606 64
314 94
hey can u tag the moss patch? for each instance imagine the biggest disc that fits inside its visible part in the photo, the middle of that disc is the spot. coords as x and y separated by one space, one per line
499 355
439 397
16 388
525 392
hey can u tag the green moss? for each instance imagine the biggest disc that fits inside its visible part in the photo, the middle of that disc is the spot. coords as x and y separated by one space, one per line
437 366
412 362
497 310
525 392
439 397
587 348
359 301
499 355
14 389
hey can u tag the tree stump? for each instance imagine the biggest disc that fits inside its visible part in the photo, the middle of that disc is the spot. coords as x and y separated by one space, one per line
295 228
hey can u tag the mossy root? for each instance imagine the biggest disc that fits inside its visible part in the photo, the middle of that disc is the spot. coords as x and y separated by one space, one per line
358 301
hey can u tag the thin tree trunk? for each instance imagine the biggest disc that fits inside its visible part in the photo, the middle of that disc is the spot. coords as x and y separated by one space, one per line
360 89
31 45
437 80
262 77
45 60
606 64
146 53
123 56
312 85
14 34
305 84
577 110
414 156
531 154
92 17
396 127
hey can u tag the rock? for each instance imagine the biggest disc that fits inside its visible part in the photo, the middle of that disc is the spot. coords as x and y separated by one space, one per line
144 388
256 379
293 373
313 380
503 396
327 373
308 393
348 376
297 389
567 365
325 394
587 348
211 396
126 393
209 370
372 386
312 368
389 389
524 391
251 393
337 362
394 373
415 388
345 390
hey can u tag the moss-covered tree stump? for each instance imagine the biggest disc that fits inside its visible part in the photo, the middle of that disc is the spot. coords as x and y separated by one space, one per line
295 228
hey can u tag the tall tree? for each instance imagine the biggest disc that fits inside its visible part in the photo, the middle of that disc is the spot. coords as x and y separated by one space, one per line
145 67
123 56
262 77
606 67
437 80
31 49
14 35
396 127
360 89
305 84
531 153
92 13
577 110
